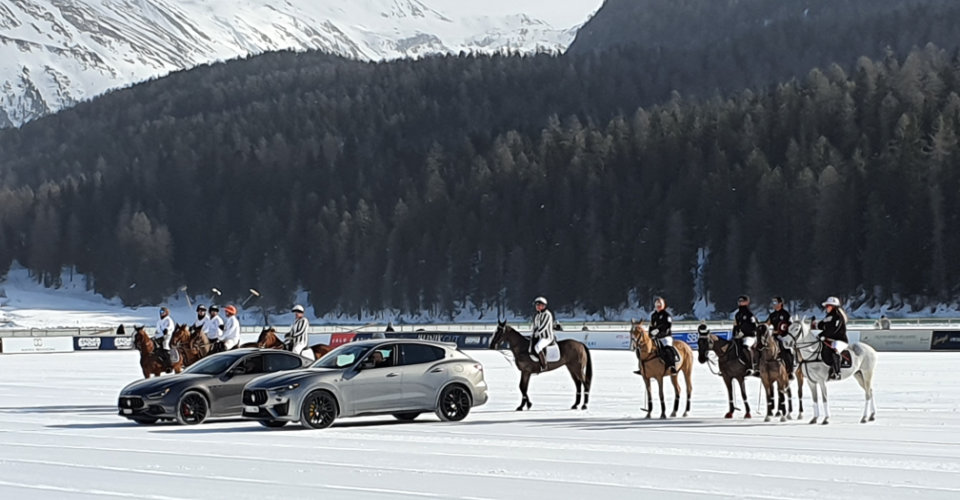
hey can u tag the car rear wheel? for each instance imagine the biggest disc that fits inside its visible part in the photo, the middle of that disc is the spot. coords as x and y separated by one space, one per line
319 410
407 416
454 404
145 420
192 409
273 424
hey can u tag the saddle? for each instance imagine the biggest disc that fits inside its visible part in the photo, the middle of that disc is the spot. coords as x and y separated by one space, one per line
553 353
846 361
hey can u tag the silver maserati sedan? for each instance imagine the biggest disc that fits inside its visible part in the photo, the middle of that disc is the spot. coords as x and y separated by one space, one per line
398 377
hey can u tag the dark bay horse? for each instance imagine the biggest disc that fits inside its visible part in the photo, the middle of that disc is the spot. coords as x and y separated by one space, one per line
269 340
773 372
730 367
573 354
149 360
653 367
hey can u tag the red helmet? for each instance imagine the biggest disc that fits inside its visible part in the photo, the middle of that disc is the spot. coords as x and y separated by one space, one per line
230 310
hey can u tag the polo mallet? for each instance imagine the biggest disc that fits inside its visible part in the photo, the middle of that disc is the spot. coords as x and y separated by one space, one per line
184 290
216 292
253 293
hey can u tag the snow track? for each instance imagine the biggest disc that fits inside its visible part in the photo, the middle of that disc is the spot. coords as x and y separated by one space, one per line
60 438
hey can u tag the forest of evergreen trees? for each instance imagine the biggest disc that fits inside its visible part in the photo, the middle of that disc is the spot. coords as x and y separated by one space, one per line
425 185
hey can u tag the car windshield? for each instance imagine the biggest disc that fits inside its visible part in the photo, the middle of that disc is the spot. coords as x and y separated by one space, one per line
212 365
342 356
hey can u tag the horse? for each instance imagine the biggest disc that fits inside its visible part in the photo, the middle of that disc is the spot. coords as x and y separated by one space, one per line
196 346
773 372
730 367
268 340
652 366
863 362
573 354
149 361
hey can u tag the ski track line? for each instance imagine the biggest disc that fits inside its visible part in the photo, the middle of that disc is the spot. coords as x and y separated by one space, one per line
221 478
399 470
540 459
768 453
76 491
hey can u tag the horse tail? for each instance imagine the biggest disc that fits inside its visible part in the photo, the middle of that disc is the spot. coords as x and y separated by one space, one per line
589 371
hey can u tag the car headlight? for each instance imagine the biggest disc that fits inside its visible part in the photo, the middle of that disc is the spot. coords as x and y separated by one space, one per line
285 387
158 395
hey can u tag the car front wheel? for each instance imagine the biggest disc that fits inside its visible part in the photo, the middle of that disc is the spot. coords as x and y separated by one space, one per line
319 410
192 409
454 404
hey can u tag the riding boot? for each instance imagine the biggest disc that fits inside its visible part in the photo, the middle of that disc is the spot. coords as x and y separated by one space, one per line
543 360
835 369
670 360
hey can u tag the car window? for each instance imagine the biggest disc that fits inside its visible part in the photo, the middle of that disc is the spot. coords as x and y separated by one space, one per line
212 365
281 362
252 364
413 354
342 357
381 357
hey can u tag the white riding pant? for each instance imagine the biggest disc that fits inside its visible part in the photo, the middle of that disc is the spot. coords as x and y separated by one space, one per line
541 345
666 341
749 341
838 345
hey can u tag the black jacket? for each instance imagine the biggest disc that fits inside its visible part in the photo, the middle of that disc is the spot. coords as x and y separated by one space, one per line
745 322
661 320
834 326
777 318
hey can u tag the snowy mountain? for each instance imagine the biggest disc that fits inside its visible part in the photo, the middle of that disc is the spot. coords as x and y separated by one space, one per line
54 53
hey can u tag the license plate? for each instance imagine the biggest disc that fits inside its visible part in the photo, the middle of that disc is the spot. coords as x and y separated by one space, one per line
127 411
251 409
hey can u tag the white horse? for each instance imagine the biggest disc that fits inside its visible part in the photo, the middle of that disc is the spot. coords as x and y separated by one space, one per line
863 363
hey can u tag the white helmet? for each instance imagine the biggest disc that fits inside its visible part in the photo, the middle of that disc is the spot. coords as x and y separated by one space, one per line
297 309
831 301
540 300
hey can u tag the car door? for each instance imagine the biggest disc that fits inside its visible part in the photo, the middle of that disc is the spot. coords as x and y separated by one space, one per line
377 386
423 374
228 390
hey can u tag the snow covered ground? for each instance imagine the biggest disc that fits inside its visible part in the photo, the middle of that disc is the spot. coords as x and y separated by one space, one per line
61 439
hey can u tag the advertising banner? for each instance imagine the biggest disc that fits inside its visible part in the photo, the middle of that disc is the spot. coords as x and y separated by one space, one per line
18 345
945 341
897 340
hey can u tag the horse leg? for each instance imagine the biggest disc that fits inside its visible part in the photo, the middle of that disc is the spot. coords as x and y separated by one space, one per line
524 383
646 383
746 403
768 388
689 383
783 387
799 394
867 398
675 379
663 405
789 414
729 384
826 405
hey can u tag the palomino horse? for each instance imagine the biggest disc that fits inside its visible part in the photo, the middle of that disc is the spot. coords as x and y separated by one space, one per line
149 362
652 366
268 340
773 372
573 354
863 362
730 367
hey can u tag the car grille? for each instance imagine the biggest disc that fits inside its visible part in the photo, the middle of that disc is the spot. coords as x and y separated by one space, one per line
255 397
133 402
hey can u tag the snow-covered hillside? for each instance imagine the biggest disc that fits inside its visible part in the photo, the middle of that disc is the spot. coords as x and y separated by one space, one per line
54 53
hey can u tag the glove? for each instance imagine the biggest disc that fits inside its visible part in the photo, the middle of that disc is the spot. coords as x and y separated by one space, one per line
823 337
655 332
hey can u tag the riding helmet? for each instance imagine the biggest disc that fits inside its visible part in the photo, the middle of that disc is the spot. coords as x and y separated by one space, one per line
540 300
831 301
214 308
200 307
743 298
230 310
297 309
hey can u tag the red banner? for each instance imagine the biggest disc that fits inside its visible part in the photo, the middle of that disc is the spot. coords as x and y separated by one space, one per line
338 339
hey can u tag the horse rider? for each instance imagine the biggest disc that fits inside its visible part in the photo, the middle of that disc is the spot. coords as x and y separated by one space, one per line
231 329
661 330
296 339
779 320
201 323
833 334
162 336
542 331
213 327
745 333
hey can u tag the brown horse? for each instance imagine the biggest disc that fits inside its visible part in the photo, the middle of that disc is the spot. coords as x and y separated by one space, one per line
773 371
730 367
269 340
149 361
196 347
652 366
573 354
